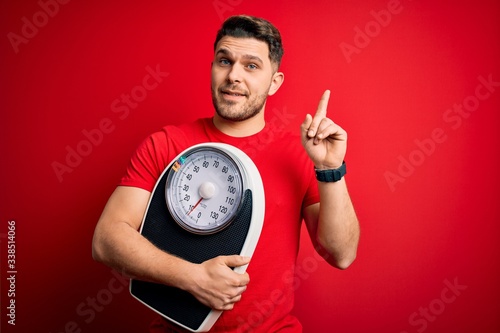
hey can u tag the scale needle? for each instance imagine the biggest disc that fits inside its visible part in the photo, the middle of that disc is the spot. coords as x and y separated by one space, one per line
195 206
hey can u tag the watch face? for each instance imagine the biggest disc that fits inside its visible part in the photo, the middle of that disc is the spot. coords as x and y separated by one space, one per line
204 190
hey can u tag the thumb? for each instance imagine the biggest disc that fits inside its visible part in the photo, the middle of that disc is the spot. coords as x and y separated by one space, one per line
306 123
235 260
304 128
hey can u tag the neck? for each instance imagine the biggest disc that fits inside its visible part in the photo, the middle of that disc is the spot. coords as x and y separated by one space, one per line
240 128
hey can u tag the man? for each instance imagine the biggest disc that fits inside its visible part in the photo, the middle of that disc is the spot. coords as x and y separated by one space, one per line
245 71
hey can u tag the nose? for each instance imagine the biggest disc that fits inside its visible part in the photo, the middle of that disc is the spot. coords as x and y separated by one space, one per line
235 75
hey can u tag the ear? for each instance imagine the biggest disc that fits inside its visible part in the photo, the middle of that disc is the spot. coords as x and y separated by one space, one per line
276 82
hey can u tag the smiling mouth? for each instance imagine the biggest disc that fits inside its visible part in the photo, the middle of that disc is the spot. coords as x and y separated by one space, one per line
233 93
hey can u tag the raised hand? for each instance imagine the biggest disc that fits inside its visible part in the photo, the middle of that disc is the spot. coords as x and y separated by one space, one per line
324 141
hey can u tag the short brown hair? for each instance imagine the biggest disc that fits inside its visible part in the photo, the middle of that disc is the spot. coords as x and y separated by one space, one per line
244 26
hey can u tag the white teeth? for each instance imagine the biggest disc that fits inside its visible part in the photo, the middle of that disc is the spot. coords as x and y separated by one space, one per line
233 94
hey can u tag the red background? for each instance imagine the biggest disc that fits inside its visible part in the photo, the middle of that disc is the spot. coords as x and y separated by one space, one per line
437 227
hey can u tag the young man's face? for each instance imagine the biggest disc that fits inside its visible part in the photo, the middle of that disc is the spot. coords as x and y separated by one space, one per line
242 77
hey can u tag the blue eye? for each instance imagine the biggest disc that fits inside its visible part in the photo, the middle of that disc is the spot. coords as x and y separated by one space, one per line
224 62
252 66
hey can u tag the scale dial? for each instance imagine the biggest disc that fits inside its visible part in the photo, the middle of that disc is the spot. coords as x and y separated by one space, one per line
204 190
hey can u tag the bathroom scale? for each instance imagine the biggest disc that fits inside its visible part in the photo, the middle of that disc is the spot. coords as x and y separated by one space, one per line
208 202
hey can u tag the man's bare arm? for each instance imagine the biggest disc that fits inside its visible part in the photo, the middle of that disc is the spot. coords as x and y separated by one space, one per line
118 244
332 224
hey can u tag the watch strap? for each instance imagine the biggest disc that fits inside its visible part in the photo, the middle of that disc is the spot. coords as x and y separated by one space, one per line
331 175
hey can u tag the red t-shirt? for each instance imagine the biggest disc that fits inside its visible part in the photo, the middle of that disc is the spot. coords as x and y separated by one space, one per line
289 186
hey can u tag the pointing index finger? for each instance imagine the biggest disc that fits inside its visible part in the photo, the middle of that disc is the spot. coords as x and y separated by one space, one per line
319 115
323 103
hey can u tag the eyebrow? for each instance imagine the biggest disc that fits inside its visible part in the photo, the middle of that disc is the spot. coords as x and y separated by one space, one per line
226 52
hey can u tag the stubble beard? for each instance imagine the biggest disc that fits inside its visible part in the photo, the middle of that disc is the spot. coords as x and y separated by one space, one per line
229 110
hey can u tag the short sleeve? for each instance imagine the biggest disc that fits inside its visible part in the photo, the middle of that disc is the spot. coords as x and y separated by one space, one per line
143 168
152 157
312 193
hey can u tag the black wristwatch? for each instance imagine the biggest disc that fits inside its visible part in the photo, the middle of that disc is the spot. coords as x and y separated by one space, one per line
331 175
